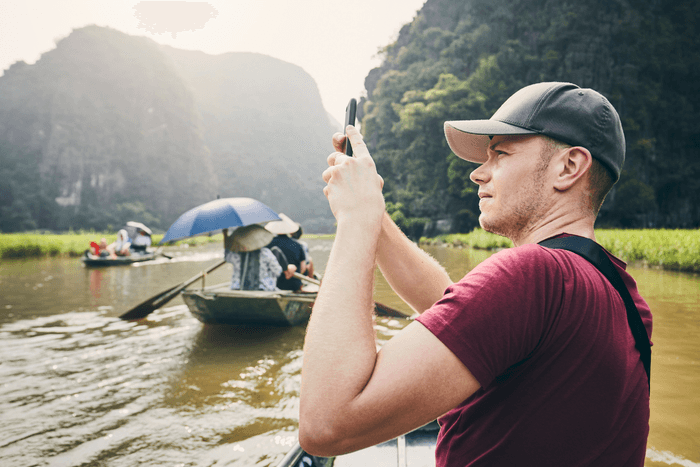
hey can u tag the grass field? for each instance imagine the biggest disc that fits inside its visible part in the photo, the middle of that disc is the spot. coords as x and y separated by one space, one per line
26 245
677 250
670 249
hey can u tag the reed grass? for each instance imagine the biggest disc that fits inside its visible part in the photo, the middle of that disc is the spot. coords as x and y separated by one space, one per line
477 238
26 245
669 249
677 250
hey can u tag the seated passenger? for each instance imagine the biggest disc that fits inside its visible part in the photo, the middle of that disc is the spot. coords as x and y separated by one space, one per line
309 266
293 251
121 246
254 266
99 249
141 242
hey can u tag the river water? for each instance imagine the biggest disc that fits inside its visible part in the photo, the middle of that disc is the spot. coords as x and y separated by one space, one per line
80 387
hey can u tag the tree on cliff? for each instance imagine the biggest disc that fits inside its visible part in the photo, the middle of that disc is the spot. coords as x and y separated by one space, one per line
462 59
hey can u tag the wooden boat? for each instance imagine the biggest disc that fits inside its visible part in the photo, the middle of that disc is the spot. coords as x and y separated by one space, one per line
416 448
135 257
218 304
221 305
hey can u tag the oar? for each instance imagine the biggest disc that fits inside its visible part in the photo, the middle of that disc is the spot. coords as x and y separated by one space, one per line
159 251
380 308
144 309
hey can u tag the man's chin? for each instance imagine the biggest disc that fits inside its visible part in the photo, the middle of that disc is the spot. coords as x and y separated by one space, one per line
491 227
485 224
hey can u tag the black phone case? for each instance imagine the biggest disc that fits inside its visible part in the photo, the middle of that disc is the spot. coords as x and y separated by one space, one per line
350 113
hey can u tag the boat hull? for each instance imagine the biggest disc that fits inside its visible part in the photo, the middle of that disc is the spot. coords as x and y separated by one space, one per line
414 448
98 261
243 307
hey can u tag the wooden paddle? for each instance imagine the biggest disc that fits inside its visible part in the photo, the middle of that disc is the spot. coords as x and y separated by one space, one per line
146 308
380 308
159 251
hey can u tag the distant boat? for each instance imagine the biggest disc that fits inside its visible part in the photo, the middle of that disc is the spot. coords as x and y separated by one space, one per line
414 448
135 257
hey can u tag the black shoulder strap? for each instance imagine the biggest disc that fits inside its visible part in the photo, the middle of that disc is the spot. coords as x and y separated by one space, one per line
594 253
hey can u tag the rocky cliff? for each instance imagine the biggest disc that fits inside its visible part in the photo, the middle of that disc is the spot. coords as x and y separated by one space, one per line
107 127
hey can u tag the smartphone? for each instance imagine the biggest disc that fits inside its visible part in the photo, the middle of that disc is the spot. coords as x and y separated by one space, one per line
350 114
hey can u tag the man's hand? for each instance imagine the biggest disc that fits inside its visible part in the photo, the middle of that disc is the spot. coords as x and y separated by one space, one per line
354 189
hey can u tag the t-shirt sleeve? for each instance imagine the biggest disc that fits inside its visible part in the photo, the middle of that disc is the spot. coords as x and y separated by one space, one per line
496 315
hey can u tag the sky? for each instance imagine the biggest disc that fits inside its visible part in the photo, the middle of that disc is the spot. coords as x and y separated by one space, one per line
336 42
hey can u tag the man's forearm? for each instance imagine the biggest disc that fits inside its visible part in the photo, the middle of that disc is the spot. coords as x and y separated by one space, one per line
413 274
340 349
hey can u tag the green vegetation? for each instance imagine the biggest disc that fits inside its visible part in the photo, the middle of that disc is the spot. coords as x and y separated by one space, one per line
33 244
36 244
477 238
671 249
462 59
27 245
677 250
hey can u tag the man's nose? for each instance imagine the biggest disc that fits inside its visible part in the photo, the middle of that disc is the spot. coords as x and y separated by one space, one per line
479 175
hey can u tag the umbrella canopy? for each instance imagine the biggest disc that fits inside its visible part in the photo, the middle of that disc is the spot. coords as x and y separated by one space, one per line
132 228
219 214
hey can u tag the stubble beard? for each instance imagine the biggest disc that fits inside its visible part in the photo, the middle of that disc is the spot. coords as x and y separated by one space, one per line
520 219
516 223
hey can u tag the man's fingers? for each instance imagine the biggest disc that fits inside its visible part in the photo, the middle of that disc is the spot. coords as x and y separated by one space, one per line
339 142
359 149
327 174
335 158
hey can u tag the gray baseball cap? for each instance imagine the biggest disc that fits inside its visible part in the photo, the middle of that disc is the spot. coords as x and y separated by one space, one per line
563 111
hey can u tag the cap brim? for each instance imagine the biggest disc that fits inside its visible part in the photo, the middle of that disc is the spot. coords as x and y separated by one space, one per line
469 139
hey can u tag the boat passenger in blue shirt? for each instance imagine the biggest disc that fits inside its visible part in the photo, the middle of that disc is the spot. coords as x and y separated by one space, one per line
309 261
293 251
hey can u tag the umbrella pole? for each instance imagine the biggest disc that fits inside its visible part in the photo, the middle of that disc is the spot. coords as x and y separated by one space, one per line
245 268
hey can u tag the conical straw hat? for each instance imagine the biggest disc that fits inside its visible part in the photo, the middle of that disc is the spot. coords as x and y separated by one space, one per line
285 226
249 238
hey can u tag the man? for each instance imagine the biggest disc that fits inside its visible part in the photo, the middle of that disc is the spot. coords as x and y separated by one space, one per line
120 247
142 241
528 360
309 263
293 252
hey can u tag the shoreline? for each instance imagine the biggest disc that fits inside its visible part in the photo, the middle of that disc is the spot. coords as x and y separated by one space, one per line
666 249
673 250
74 244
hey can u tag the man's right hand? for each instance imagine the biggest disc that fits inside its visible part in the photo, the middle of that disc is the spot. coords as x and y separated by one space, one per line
354 188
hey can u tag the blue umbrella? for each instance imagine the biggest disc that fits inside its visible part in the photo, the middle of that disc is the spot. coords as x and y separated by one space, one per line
219 214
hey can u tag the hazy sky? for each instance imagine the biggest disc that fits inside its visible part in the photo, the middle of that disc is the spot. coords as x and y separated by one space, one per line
336 42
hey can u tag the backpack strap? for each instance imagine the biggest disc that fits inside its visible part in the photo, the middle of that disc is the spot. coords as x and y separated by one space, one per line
591 251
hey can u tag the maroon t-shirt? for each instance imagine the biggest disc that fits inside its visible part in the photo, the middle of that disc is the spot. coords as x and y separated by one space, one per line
562 384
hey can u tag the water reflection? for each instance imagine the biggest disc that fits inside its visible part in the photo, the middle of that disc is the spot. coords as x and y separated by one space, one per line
95 283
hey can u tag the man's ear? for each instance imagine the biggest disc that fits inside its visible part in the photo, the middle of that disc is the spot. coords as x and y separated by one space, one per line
571 165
